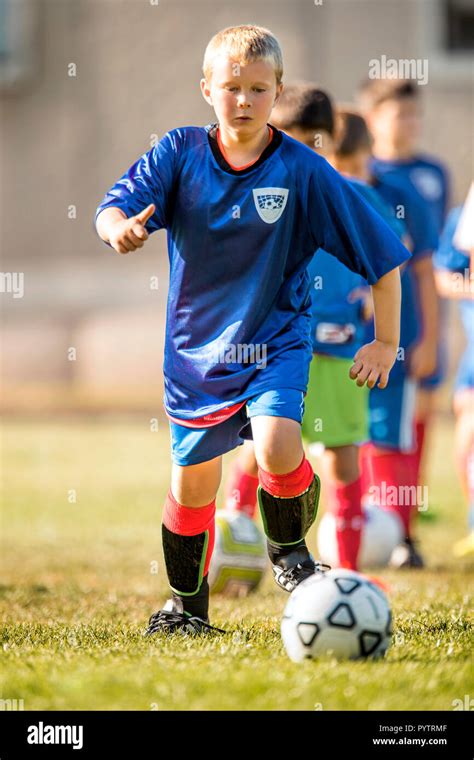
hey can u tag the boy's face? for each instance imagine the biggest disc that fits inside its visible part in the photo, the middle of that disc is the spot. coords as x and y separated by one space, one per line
318 140
242 96
398 121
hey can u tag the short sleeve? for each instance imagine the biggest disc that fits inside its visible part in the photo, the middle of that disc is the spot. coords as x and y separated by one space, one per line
148 180
344 225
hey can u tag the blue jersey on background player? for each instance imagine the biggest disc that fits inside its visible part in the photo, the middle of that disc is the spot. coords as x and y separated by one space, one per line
423 175
392 415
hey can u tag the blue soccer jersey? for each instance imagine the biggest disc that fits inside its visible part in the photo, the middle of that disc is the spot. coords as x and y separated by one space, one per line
337 325
424 175
239 244
450 258
423 239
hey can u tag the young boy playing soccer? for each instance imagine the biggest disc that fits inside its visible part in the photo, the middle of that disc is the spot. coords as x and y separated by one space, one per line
244 207
393 111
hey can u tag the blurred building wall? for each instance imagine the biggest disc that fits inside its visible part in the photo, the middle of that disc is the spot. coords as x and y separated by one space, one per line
89 327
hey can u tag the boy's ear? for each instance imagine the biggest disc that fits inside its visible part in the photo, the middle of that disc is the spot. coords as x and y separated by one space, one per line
279 90
206 91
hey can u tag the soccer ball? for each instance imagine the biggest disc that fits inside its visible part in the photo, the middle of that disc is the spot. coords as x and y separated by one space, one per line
240 556
339 613
381 532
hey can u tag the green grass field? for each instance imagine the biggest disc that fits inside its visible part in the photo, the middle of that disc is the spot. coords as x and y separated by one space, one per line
81 538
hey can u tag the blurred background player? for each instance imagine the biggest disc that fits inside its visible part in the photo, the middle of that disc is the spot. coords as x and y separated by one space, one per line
335 409
393 110
390 458
454 261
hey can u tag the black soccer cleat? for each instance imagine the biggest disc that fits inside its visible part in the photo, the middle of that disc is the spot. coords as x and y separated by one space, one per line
289 570
407 555
172 618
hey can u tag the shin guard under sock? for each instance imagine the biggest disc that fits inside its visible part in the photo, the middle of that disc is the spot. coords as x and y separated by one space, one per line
188 540
288 505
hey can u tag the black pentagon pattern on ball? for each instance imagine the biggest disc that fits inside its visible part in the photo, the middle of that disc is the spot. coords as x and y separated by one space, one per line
369 641
307 633
377 590
342 616
347 585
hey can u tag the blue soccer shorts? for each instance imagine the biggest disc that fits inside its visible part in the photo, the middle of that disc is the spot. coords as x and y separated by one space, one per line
195 445
392 414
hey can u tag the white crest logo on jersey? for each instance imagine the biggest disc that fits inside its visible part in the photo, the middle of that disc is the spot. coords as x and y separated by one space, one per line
270 202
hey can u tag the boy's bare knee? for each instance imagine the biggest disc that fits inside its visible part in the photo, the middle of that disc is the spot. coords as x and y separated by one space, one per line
196 485
280 460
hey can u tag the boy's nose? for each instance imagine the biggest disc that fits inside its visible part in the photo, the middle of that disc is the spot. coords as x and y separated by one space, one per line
243 101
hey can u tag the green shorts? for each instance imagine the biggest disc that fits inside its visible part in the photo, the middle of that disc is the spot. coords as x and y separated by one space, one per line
336 409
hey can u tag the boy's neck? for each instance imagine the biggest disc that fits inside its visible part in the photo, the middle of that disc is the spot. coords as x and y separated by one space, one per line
243 148
389 152
352 169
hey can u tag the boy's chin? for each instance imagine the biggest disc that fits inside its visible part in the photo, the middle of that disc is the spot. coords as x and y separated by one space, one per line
243 124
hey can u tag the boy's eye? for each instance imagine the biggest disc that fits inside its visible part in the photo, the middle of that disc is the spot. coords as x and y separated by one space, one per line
259 89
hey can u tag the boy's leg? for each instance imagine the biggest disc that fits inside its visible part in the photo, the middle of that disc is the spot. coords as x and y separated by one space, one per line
189 520
188 531
242 484
336 415
288 494
343 487
388 464
393 472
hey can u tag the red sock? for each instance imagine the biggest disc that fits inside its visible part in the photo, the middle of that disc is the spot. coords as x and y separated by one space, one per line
345 504
388 472
289 484
189 521
242 491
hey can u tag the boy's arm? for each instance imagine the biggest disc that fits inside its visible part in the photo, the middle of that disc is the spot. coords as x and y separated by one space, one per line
106 219
138 203
374 361
423 355
122 233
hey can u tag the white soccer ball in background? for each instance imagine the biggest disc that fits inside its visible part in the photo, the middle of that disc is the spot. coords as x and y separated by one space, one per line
240 556
339 613
382 531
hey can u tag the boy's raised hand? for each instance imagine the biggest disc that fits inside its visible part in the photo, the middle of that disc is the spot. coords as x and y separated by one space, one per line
373 362
128 234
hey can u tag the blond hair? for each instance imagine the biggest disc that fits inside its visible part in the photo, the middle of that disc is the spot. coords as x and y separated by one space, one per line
244 44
